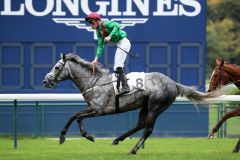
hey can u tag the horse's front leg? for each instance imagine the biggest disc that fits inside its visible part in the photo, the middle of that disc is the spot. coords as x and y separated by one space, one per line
93 113
228 115
83 131
69 122
237 147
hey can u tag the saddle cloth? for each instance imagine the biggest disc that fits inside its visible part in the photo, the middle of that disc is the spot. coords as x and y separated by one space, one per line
136 81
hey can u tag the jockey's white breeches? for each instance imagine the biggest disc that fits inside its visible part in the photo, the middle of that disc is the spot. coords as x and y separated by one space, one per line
120 55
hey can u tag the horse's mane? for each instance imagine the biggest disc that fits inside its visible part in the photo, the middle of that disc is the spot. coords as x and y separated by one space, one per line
75 58
232 65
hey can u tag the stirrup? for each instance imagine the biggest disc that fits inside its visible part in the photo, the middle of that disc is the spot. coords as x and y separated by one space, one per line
124 90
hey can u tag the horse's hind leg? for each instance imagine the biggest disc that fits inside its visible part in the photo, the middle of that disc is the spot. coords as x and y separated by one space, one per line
237 147
228 115
151 119
140 125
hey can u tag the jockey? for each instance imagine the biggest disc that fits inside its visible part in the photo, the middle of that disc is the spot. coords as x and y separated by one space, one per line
110 31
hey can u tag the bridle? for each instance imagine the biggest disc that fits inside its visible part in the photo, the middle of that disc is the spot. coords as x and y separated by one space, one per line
221 76
218 81
54 80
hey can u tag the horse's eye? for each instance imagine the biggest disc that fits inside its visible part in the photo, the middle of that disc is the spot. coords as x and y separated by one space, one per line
57 68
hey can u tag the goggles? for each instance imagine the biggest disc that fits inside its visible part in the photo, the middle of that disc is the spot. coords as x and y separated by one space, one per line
91 21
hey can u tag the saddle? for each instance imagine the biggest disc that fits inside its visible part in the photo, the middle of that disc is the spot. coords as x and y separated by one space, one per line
136 82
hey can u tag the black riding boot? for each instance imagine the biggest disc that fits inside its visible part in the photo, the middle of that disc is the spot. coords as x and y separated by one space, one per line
123 79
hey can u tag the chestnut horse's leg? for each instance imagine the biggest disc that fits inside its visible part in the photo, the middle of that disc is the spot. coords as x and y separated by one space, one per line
237 147
140 125
71 119
228 115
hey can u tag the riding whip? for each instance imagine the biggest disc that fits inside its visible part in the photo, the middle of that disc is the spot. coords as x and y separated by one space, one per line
134 56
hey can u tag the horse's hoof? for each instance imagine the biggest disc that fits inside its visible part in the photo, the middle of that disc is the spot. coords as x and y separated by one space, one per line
115 142
61 139
210 136
236 150
89 137
133 152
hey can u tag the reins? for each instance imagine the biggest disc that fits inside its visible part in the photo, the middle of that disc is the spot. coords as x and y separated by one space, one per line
103 84
92 83
90 86
95 78
59 72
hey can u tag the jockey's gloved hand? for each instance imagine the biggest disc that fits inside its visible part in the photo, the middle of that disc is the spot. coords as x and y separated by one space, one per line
95 61
107 39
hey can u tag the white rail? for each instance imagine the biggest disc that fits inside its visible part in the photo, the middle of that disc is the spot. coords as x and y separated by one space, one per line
220 99
41 97
79 97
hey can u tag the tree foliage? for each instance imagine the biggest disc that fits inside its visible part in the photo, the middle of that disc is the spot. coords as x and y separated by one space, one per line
223 32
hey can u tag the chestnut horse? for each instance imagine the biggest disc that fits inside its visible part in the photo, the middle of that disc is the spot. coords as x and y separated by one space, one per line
224 74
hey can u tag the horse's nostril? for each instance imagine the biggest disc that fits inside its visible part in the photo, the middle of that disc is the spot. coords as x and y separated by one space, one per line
44 82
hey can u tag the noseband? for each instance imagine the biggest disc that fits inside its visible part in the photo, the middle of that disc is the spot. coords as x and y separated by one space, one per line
54 79
220 77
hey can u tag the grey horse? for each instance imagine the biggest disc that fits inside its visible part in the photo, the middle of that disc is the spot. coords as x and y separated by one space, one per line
98 91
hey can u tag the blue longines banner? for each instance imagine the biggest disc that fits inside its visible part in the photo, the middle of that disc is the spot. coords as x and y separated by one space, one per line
167 35
63 20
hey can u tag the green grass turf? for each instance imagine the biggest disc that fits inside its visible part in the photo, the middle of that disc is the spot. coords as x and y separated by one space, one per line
155 149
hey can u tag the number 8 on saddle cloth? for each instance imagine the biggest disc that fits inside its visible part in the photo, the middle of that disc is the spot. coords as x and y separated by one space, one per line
135 80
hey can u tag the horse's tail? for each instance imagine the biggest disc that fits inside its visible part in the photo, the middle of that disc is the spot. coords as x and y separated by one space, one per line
194 95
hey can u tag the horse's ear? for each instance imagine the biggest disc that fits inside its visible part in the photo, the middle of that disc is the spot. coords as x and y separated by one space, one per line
222 63
218 61
63 56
